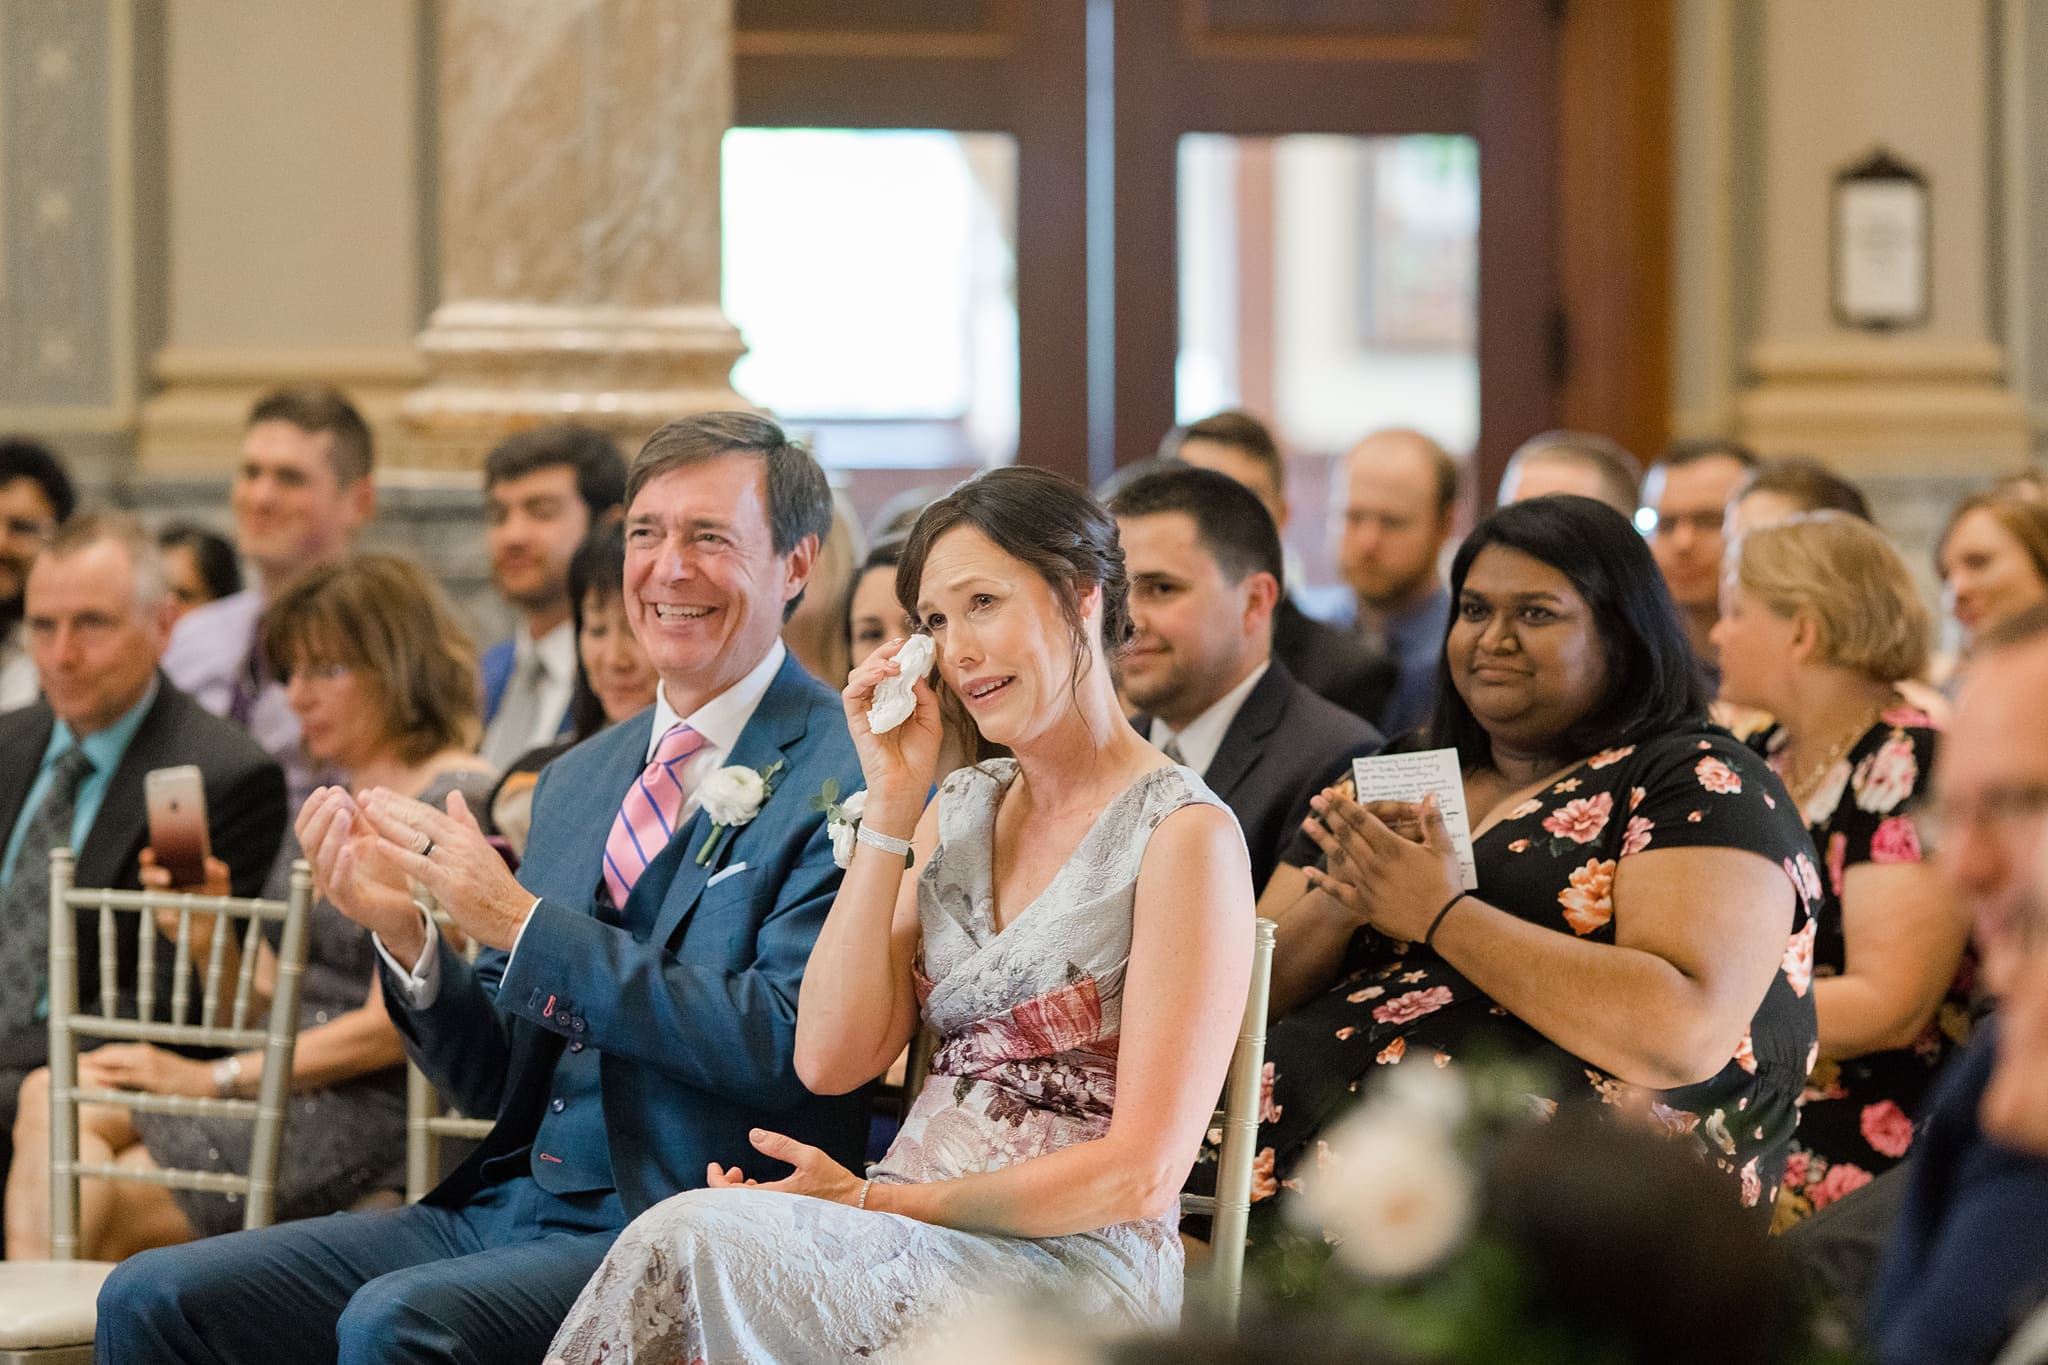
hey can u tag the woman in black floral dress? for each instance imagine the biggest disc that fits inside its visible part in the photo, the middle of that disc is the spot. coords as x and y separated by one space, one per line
1820 621
1639 933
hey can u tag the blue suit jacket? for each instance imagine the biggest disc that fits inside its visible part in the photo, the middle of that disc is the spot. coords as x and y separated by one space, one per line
688 994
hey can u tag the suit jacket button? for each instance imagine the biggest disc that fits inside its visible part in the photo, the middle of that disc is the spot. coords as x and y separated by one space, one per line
576 1024
576 1045
558 1105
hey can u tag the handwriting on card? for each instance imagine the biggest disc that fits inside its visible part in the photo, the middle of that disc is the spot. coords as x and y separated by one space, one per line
1410 777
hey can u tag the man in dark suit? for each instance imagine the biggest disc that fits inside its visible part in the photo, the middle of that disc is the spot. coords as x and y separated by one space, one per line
98 614
1204 563
632 1016
1332 663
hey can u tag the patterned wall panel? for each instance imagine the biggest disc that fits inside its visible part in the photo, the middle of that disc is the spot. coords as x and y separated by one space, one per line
62 311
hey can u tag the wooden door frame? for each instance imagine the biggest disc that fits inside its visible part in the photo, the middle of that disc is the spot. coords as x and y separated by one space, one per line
1587 272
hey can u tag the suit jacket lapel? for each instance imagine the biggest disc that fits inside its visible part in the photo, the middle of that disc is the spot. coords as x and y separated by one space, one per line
25 756
1242 743
674 882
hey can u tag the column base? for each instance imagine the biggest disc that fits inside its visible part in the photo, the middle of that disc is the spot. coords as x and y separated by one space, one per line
1876 408
193 424
497 368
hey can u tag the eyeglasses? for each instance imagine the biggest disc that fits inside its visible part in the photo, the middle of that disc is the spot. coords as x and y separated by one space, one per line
328 672
38 529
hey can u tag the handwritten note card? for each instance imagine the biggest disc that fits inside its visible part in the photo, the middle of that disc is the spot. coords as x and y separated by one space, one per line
1410 777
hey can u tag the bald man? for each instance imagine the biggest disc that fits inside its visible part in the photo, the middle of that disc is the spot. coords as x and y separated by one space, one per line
1579 462
1400 501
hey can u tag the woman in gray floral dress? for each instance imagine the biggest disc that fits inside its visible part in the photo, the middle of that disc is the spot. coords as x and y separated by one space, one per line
1077 933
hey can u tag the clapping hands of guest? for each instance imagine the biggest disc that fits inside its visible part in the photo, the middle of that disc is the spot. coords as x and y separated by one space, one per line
1391 863
353 869
448 855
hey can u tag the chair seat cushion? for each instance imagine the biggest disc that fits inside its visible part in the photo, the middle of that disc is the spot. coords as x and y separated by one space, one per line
49 1303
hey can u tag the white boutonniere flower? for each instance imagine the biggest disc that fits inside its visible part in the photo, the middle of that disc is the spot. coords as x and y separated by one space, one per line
842 820
733 797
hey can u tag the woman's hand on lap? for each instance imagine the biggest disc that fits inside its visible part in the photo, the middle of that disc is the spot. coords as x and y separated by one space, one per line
816 1174
140 1066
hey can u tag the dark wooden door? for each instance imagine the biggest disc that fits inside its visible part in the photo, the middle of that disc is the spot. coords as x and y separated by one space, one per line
1097 94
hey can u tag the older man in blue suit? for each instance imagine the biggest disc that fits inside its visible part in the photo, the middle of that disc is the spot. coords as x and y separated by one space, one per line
632 1015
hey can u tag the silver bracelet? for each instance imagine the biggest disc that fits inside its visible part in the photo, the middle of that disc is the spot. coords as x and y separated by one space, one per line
862 1202
227 1076
885 842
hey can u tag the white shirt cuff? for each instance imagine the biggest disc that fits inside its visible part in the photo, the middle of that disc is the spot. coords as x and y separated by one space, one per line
520 937
422 982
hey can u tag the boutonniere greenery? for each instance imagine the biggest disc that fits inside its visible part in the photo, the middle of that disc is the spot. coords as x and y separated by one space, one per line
842 818
733 797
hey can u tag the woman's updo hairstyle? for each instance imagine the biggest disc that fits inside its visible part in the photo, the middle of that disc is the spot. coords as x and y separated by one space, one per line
1050 524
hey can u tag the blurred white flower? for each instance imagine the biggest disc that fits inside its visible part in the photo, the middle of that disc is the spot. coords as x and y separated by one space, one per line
733 796
1393 1194
842 822
1431 1094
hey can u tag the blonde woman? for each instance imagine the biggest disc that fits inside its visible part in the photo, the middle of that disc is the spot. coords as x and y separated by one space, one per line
1819 625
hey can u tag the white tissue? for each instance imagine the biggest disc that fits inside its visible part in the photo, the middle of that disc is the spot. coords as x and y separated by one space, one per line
894 701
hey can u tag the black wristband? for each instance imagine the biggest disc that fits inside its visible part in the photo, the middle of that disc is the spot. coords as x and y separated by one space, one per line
1429 939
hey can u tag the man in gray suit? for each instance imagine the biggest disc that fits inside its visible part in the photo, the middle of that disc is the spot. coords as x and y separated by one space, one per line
1205 568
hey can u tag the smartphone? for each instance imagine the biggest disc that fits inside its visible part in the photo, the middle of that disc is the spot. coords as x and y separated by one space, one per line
176 800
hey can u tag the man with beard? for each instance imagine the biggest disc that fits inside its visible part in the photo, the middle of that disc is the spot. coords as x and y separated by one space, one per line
35 498
1400 503
543 490
1204 563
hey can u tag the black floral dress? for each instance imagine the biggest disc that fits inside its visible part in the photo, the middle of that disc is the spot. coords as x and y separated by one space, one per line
1552 861
1856 1116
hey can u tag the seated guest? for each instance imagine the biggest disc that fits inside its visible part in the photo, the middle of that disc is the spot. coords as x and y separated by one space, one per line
1685 502
199 564
631 1016
874 617
383 681
815 630
1993 557
1329 662
1205 572
301 492
1966 1262
35 498
1639 930
1820 623
1578 462
1077 934
614 677
72 768
1401 499
1780 489
544 490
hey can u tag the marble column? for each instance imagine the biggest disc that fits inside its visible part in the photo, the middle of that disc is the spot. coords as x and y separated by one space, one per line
579 221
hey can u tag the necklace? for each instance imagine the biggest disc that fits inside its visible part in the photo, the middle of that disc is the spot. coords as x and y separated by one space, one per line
1818 772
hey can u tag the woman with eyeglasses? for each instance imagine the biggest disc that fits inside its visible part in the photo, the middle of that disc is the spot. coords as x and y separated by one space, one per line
1820 623
383 680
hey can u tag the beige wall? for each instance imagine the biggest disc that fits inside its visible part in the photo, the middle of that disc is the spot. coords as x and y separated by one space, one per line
294 212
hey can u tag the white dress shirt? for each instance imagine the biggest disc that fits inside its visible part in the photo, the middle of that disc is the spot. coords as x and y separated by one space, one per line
719 720
544 667
1204 734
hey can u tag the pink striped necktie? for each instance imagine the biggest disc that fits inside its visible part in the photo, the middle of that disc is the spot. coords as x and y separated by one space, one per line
649 815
